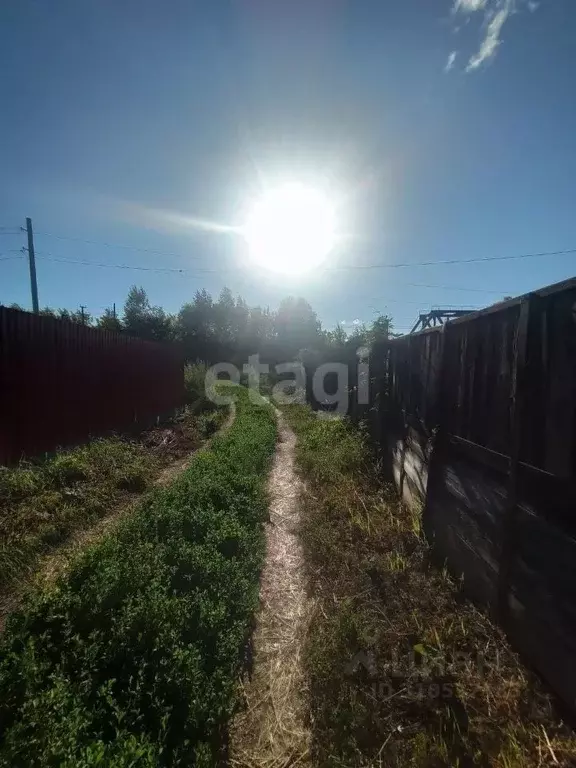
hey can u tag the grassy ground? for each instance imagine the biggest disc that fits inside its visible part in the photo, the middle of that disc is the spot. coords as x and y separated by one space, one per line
132 657
43 502
403 670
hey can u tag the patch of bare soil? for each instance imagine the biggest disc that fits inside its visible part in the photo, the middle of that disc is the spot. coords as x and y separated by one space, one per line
271 731
174 446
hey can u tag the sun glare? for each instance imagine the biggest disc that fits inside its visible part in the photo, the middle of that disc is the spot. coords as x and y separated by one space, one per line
290 229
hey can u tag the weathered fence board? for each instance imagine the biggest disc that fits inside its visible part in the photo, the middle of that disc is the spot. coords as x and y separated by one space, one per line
61 382
478 420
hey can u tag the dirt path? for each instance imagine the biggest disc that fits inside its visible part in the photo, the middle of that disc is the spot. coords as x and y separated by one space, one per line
271 731
54 563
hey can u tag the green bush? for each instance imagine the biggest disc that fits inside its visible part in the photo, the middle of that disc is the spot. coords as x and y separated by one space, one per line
132 658
194 384
328 448
40 504
17 484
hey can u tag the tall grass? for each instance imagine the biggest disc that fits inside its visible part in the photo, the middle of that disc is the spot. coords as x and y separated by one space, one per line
43 502
403 670
132 658
195 386
40 504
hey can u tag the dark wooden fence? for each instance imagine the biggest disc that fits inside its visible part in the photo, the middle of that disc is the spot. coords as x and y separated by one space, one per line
61 383
478 421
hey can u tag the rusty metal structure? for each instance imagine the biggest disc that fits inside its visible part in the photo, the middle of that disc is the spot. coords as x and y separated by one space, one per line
61 383
437 317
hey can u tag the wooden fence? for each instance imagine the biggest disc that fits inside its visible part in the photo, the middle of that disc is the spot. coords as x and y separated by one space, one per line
478 421
61 383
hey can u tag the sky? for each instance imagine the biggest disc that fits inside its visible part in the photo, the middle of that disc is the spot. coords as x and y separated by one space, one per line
135 133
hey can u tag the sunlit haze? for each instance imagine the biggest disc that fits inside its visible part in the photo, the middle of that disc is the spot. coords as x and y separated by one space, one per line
290 229
161 153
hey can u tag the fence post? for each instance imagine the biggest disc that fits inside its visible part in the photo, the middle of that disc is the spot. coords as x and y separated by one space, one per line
519 401
438 436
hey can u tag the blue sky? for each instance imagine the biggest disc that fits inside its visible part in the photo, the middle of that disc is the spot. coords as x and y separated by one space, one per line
444 130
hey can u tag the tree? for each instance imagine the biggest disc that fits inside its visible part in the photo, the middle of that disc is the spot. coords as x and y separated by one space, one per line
79 317
108 321
195 328
337 337
225 326
296 327
82 318
380 330
143 320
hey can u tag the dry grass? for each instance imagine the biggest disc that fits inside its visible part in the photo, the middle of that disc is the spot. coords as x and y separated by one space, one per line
271 731
403 670
51 510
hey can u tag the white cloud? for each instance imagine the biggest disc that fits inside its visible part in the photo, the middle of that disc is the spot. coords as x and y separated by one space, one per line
491 40
495 14
469 6
450 62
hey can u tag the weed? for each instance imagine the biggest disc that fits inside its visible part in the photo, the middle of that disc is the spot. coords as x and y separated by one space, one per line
41 504
403 671
132 657
195 386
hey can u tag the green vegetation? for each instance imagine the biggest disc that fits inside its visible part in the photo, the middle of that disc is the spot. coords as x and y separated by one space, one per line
403 670
40 504
226 328
43 502
132 658
195 386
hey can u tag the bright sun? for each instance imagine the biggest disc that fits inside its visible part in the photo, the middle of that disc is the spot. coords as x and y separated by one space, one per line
290 229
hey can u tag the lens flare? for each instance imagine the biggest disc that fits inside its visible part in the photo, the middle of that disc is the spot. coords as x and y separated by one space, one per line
290 230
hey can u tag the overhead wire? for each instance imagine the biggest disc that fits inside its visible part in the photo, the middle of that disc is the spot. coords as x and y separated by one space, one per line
452 288
459 261
50 257
331 269
117 245
472 260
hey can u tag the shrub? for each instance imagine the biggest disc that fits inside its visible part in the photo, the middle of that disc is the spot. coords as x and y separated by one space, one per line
328 448
132 657
17 484
41 504
194 385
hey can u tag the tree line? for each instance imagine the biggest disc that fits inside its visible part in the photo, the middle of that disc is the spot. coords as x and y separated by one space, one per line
227 328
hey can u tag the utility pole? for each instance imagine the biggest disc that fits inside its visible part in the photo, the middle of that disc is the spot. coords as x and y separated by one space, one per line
32 263
82 315
114 310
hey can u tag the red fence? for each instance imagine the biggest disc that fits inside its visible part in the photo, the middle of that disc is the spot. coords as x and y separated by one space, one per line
61 383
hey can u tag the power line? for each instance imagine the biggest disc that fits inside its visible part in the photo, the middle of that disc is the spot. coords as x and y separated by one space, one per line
385 300
458 261
455 288
117 245
337 268
49 257
9 258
